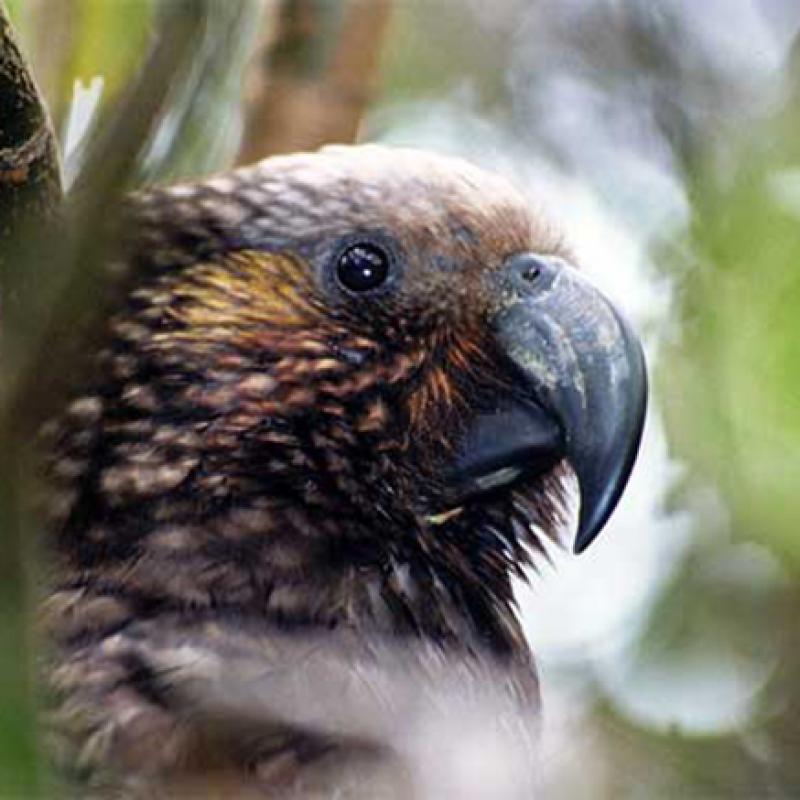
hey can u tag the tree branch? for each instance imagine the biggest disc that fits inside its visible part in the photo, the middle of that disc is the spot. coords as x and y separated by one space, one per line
314 76
30 185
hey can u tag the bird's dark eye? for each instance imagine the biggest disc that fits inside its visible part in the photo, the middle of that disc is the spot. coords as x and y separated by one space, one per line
362 267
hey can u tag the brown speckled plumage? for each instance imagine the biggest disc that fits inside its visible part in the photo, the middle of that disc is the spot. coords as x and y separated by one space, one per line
259 456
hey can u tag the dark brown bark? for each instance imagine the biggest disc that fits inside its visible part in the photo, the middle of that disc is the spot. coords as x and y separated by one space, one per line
30 185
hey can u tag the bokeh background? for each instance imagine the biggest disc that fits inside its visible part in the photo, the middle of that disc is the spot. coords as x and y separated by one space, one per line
664 136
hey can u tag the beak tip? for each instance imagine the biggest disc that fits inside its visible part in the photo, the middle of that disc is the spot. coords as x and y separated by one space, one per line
601 489
587 533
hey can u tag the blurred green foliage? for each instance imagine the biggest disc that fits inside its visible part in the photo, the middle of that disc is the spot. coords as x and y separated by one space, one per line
417 67
110 40
77 40
731 384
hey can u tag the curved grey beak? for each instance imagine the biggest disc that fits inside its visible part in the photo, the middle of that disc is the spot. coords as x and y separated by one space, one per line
582 364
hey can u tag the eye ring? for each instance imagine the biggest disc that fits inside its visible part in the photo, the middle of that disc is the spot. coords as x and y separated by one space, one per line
362 267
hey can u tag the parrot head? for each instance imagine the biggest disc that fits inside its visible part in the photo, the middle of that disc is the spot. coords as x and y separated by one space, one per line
390 337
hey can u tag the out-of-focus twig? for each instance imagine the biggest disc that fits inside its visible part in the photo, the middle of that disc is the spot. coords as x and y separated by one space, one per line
52 29
315 74
210 91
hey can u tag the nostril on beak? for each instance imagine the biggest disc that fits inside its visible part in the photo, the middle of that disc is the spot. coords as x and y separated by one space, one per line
528 271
